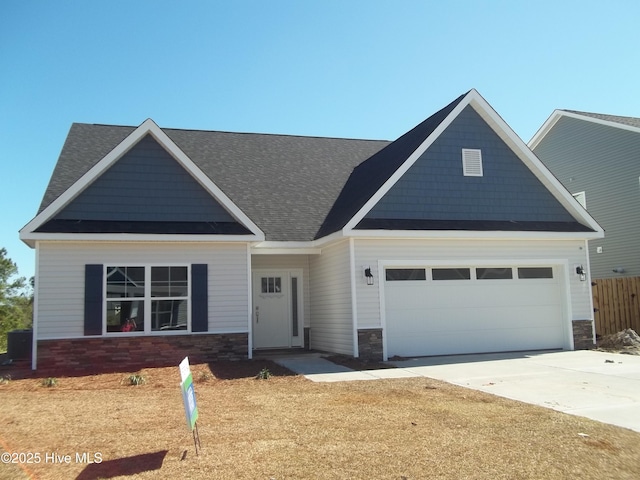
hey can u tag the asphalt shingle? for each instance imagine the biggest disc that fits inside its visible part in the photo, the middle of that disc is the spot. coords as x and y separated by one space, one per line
285 184
630 121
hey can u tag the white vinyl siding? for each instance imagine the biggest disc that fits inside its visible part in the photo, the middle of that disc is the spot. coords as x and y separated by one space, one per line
438 252
331 307
61 280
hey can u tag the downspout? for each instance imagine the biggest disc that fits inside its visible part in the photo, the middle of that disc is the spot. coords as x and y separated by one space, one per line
354 301
250 303
34 329
593 317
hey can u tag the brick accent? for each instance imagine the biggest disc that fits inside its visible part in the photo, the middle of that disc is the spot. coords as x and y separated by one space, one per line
370 344
85 355
583 334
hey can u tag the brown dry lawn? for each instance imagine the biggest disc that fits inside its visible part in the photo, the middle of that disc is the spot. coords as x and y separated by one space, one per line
290 428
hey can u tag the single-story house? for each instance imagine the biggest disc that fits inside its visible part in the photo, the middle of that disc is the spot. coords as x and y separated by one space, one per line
152 243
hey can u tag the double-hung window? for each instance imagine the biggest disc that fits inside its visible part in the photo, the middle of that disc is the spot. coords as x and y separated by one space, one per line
147 298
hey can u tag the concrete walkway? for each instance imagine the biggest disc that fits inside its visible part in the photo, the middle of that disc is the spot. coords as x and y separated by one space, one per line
596 385
318 369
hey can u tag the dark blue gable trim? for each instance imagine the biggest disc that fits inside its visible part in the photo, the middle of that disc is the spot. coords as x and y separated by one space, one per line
199 298
93 299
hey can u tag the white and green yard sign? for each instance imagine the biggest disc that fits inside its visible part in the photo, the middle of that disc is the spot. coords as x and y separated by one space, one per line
189 400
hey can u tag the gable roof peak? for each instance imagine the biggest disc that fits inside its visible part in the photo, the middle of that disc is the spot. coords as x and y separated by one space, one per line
377 172
382 171
615 121
148 127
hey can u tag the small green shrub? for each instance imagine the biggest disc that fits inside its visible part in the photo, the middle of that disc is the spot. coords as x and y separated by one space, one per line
4 379
264 374
205 377
137 379
49 382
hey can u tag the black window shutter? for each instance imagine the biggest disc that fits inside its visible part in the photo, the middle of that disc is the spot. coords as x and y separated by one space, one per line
93 299
199 300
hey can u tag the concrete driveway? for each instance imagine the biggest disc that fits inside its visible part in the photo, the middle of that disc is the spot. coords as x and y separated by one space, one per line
597 385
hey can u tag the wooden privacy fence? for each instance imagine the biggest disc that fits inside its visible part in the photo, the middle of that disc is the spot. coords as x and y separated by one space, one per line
616 302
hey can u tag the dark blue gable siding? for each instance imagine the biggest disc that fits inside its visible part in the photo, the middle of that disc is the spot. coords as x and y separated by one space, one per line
146 185
434 188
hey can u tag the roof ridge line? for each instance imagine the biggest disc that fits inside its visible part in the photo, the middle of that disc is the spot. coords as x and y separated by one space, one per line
293 135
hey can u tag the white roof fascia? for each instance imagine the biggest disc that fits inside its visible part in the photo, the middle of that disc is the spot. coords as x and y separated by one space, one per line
505 132
285 250
544 129
558 114
534 164
31 237
147 127
405 166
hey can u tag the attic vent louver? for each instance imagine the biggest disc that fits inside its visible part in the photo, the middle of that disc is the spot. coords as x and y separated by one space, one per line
471 162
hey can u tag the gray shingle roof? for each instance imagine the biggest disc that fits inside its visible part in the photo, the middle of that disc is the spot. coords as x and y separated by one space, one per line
285 184
295 188
630 121
368 177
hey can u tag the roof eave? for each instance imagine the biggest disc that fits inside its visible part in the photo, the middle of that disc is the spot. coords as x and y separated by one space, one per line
472 234
30 238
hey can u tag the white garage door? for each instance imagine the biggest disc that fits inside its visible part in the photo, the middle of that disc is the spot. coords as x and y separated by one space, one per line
441 311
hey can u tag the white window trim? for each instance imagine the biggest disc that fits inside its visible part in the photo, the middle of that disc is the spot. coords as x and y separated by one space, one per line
147 299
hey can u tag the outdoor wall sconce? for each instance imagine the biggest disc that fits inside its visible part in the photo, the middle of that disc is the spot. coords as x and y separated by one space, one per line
368 275
618 270
580 271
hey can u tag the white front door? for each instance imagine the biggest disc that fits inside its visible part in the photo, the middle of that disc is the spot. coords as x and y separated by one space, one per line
276 301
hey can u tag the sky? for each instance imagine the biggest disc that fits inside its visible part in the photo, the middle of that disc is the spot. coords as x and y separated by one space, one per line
351 69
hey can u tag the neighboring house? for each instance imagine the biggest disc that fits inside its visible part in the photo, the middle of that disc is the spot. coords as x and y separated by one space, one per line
154 243
597 158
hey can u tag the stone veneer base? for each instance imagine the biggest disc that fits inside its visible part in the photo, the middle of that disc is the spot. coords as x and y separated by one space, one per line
370 344
583 334
132 353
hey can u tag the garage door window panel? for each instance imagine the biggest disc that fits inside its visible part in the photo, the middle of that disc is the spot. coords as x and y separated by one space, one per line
535 272
494 273
451 274
405 274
